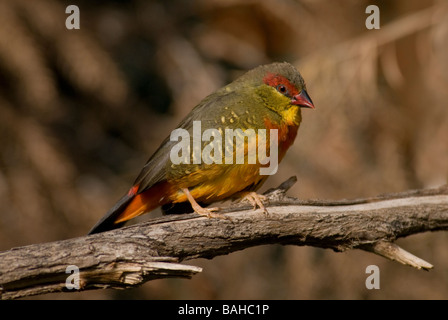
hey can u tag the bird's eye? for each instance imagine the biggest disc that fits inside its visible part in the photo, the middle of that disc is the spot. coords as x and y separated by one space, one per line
282 89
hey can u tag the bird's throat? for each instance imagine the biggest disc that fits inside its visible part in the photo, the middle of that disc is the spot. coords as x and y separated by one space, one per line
286 135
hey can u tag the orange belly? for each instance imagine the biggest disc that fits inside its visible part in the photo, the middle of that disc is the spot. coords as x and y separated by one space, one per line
225 182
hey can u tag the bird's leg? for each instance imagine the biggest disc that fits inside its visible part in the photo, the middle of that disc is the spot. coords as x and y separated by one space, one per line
207 212
256 200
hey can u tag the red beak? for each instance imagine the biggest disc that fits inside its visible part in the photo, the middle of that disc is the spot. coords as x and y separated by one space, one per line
303 100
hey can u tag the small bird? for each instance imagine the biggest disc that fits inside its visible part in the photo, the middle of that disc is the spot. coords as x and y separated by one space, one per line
269 97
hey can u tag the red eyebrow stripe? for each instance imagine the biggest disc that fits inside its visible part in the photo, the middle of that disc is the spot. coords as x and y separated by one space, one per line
273 80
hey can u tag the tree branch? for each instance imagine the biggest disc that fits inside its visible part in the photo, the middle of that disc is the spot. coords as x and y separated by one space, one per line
130 256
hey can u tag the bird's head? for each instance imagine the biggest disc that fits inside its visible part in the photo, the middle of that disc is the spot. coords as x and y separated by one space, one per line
281 88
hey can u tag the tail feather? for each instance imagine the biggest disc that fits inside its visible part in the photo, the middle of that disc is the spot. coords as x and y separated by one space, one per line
132 205
108 222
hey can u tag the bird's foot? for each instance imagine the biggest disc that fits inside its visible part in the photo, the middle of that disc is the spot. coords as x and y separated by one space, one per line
256 200
206 212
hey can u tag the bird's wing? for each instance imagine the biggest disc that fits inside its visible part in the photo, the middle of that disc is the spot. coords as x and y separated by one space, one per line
155 168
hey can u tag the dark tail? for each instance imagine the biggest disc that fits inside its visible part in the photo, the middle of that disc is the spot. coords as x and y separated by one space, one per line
108 221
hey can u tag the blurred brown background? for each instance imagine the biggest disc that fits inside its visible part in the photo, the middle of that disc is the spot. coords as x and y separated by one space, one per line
82 110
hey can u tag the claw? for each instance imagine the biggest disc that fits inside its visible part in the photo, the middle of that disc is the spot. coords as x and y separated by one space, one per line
206 212
256 200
